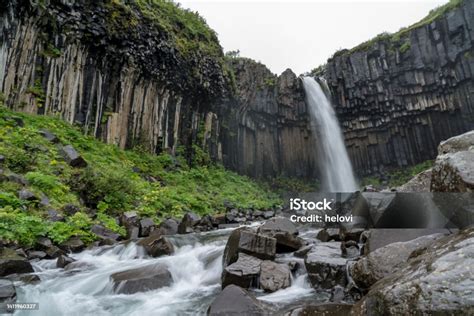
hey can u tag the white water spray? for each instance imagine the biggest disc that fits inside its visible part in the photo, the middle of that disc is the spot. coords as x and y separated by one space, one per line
335 166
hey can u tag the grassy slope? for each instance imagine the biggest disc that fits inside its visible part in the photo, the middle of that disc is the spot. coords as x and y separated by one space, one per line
114 182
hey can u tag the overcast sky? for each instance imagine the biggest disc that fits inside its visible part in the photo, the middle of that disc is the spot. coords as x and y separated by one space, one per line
303 34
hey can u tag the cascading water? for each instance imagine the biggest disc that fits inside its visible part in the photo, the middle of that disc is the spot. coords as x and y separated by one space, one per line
196 268
334 163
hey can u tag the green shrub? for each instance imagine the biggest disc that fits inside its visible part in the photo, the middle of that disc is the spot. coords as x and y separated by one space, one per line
76 225
17 226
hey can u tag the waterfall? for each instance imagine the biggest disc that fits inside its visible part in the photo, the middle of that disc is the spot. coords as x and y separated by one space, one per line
334 163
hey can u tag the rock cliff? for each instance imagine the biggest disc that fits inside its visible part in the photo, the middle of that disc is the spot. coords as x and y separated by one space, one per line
399 95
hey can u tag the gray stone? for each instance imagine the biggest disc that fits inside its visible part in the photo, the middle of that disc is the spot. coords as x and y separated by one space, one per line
157 245
7 292
142 279
73 244
27 195
131 223
104 233
36 255
244 272
419 183
169 227
49 136
284 231
72 157
325 309
187 223
463 142
63 261
234 300
11 263
146 227
274 276
325 265
17 179
453 172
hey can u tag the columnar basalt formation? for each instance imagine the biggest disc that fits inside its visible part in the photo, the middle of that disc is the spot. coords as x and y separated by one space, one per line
269 132
110 69
398 96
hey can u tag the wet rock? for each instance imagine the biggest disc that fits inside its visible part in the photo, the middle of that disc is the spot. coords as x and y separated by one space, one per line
157 245
301 253
27 195
141 279
274 276
268 214
453 172
244 272
387 260
11 263
231 215
79 266
349 249
246 241
326 309
377 238
73 244
206 223
53 252
36 255
436 281
131 223
146 227
7 292
63 261
187 223
49 136
234 300
104 233
326 268
284 231
43 243
169 227
351 234
72 157
328 234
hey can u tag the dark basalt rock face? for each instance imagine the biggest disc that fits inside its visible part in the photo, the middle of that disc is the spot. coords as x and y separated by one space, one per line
397 99
268 130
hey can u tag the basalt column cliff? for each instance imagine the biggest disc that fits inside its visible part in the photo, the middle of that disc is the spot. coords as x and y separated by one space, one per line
399 95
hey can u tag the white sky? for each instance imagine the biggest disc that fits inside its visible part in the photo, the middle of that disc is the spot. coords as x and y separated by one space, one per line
303 34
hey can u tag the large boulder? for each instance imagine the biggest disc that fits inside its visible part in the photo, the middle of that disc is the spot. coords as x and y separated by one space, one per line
387 260
244 272
63 261
7 292
234 300
131 222
458 143
247 241
188 222
326 309
274 276
73 244
157 245
453 172
72 157
377 238
285 233
325 265
12 263
141 279
436 281
147 226
419 183
104 233
168 227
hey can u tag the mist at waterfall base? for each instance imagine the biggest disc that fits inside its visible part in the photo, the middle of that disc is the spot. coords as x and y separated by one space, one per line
195 266
333 160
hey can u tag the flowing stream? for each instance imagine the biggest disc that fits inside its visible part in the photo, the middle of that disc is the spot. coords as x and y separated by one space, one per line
334 163
196 268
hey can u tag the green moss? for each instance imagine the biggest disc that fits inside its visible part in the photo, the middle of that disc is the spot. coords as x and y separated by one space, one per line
38 92
114 182
405 47
51 51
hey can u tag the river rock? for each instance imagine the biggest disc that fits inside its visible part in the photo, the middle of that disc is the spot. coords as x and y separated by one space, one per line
453 172
436 281
72 157
326 309
63 261
36 255
387 260
244 272
274 276
234 300
146 227
157 245
377 238
131 223
328 234
104 233
187 223
11 263
73 244
326 268
169 227
7 292
301 253
141 279
284 231
247 241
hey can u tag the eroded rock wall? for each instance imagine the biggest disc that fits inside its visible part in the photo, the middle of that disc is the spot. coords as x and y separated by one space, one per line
399 96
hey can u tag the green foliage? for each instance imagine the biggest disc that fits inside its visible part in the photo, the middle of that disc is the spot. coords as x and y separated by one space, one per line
51 51
284 185
405 47
115 180
397 177
232 54
18 226
270 81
